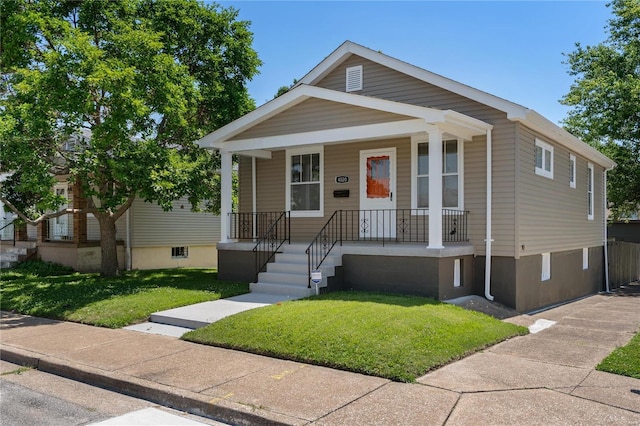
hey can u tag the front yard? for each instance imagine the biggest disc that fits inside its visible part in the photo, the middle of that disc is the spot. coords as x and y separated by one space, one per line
396 337
624 360
51 291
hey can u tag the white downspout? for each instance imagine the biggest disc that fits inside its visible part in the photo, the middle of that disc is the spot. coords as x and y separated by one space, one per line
254 195
128 231
488 240
606 242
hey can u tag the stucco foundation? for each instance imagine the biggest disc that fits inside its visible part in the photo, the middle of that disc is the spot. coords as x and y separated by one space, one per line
517 282
84 258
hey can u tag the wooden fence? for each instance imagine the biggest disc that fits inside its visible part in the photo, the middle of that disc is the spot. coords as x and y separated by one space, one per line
624 263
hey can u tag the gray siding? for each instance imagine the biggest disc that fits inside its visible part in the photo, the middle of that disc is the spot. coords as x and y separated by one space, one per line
152 227
93 228
318 114
552 216
382 82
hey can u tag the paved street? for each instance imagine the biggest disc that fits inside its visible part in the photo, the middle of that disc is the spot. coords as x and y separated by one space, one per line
29 397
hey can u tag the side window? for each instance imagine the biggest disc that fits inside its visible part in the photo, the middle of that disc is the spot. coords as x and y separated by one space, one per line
544 159
590 191
572 170
546 267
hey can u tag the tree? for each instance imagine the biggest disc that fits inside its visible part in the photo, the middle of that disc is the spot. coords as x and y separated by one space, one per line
606 102
128 85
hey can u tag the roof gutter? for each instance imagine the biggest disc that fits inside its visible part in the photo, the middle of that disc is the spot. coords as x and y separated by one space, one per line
488 240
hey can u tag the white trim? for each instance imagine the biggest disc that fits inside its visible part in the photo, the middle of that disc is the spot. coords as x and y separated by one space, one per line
456 123
572 173
590 191
585 258
302 151
546 147
226 193
344 134
545 274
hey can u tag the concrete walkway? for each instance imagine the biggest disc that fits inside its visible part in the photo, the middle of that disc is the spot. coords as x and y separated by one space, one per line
176 322
547 378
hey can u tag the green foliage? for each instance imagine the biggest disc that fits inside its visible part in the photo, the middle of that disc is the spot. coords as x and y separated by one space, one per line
606 102
114 94
36 268
391 336
108 301
624 360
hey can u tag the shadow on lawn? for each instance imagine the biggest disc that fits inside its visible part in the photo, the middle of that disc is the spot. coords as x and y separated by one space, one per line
55 295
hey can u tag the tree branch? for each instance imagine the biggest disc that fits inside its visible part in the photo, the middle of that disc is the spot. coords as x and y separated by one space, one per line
123 208
45 216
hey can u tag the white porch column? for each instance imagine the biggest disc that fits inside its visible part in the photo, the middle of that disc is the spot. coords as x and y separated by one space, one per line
226 195
435 189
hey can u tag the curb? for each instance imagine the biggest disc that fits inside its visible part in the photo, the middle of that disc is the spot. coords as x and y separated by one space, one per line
183 400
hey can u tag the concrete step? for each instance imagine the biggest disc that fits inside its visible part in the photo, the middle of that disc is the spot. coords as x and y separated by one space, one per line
5 264
10 257
291 291
297 269
161 329
283 278
331 260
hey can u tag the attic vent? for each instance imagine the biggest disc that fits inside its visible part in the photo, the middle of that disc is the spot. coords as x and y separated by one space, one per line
354 78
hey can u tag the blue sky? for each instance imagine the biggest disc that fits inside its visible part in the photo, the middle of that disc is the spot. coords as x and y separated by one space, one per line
511 49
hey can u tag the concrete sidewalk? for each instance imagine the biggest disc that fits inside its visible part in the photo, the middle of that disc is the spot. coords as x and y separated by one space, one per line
545 378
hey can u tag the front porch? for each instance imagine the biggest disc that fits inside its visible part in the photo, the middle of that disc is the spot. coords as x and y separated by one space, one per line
349 254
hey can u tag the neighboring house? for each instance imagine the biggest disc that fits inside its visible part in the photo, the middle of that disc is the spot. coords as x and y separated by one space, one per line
148 237
366 152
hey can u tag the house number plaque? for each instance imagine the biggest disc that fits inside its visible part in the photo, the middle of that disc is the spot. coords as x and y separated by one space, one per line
342 179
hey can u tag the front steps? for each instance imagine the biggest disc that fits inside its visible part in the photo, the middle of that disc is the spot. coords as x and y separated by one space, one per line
288 274
11 255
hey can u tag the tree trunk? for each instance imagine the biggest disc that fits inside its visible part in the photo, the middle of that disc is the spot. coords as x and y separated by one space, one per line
109 267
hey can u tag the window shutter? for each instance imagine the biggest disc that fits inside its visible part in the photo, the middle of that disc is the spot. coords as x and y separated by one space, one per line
354 78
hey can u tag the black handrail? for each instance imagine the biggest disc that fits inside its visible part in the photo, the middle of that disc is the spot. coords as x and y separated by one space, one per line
383 226
324 241
250 225
278 232
11 223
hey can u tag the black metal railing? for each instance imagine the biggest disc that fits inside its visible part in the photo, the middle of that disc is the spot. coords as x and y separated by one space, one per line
276 234
325 240
383 226
8 231
250 226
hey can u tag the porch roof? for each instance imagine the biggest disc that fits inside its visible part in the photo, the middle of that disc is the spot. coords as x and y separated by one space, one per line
415 119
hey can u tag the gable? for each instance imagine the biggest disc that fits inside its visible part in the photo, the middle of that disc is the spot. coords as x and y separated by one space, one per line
383 82
317 114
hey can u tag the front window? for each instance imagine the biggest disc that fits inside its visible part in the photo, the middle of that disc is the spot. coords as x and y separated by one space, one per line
451 176
304 183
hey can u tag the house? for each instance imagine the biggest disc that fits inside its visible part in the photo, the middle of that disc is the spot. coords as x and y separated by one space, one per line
147 236
379 175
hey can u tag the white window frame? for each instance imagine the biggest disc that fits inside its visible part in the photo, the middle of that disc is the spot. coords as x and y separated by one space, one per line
545 274
414 174
359 77
546 147
590 191
585 258
572 171
303 151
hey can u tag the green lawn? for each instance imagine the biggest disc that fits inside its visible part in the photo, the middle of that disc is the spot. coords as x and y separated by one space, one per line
396 337
49 291
624 360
